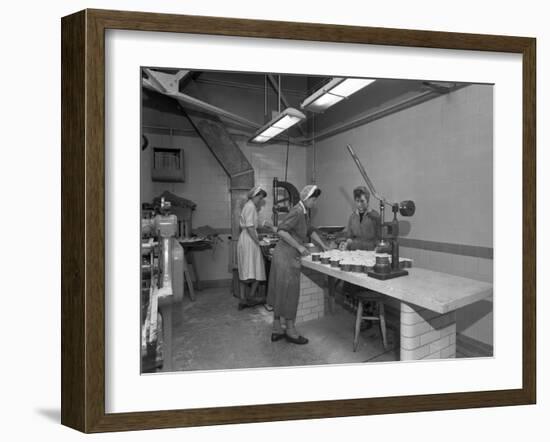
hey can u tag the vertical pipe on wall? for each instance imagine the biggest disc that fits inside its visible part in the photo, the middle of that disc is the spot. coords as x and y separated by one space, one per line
313 147
287 152
279 95
266 119
172 185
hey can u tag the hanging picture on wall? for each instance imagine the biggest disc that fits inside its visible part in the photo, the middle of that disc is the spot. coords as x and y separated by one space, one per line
260 222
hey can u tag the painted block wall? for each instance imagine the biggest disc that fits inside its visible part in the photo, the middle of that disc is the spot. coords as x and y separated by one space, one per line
439 153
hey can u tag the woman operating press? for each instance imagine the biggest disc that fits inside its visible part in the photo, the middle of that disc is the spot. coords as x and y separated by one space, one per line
284 278
363 232
249 254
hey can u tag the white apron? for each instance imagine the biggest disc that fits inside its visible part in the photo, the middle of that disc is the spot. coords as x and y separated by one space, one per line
249 255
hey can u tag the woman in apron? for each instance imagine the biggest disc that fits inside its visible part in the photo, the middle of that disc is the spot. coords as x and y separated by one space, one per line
284 277
249 254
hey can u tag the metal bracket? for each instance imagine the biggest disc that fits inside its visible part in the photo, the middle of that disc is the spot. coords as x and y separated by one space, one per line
166 83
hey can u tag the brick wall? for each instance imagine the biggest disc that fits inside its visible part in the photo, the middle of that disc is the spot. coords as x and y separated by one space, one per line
426 334
313 295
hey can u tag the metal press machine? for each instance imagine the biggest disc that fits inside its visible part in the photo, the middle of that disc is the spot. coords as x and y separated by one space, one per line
389 230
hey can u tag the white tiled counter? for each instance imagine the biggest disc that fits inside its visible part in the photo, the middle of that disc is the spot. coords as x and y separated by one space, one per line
428 303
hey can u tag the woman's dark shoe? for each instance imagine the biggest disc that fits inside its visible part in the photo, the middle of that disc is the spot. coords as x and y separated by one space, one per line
300 340
250 302
243 305
277 336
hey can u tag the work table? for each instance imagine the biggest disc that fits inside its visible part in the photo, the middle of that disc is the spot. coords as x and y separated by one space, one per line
439 292
428 303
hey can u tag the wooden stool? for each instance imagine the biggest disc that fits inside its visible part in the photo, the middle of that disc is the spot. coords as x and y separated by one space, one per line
369 296
191 262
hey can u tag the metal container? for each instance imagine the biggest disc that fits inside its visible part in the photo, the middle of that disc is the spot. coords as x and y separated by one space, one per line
334 262
345 267
325 260
356 267
266 249
316 257
382 264
405 264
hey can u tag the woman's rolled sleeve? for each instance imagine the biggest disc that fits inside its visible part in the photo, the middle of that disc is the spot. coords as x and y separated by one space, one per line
290 222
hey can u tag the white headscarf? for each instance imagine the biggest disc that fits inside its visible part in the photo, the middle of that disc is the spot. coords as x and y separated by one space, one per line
307 191
254 191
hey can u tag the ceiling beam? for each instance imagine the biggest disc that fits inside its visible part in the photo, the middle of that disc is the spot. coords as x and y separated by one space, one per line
168 84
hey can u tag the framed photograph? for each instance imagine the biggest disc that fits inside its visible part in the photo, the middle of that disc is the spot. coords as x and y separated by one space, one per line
268 220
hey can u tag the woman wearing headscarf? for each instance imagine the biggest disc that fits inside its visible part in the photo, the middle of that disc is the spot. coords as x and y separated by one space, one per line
249 254
284 278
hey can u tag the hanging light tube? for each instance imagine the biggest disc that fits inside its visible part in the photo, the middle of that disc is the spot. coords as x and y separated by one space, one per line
333 92
283 121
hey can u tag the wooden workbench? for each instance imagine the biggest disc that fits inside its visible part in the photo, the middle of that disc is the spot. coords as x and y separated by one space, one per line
428 301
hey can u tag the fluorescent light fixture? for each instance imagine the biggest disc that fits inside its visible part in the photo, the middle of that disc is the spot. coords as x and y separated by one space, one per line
334 91
285 120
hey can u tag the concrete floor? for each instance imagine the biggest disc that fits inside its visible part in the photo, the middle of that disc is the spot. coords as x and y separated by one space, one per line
211 334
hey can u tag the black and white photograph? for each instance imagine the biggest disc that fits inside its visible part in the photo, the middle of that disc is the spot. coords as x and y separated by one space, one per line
302 220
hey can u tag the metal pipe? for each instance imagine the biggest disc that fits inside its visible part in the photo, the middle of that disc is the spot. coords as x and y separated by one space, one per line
286 164
382 220
185 99
365 176
183 132
279 94
277 88
299 94
193 133
313 177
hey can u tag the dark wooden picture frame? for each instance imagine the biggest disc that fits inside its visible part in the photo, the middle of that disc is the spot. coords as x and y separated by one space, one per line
83 220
